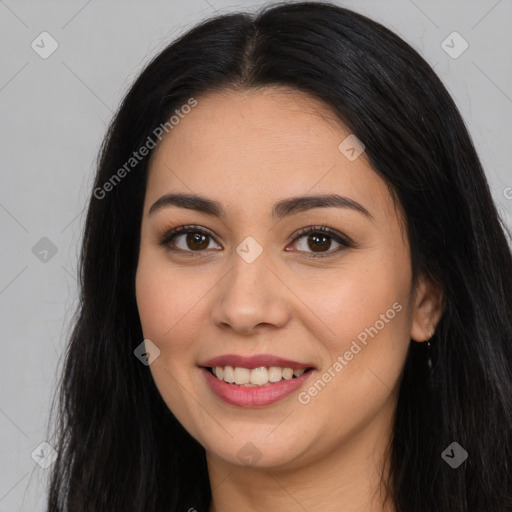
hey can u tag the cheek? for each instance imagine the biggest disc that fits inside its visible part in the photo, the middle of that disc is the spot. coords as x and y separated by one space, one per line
165 301
366 311
364 296
166 310
152 301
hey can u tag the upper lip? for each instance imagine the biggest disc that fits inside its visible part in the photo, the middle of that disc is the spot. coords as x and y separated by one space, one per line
254 361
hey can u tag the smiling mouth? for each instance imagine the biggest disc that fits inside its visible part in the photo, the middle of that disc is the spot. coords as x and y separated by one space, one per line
255 377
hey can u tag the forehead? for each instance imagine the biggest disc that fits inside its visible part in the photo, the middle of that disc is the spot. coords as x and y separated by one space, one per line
286 123
253 147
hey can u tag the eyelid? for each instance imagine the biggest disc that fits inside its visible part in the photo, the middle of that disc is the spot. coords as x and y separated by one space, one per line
174 232
344 241
322 228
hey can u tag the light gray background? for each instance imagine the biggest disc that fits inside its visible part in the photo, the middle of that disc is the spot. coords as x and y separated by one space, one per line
53 115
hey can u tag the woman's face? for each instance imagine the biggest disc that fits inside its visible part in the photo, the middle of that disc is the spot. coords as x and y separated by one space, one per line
247 282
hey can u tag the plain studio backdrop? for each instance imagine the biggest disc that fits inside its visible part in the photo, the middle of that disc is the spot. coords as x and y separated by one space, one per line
64 67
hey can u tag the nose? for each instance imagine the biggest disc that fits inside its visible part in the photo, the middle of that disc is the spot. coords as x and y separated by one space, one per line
250 297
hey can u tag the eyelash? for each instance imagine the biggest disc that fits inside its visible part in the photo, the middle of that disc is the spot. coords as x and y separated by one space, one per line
343 241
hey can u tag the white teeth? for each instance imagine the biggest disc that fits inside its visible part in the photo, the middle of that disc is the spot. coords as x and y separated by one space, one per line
259 376
256 376
275 374
287 373
229 375
242 375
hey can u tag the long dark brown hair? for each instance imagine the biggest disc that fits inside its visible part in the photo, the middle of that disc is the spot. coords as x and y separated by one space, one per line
120 448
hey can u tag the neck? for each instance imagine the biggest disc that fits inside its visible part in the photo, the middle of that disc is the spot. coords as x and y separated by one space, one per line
349 478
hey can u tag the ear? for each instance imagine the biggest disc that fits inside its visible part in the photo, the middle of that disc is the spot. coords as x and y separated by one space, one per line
428 307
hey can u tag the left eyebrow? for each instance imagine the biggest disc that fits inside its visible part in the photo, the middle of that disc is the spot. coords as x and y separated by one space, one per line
293 205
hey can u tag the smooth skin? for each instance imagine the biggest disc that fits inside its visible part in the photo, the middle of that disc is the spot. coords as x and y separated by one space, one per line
248 149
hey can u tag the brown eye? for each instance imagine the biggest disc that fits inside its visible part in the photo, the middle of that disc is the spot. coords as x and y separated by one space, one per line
319 239
187 239
317 243
197 241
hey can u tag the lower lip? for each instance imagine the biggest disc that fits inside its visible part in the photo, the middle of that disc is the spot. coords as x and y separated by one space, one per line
254 396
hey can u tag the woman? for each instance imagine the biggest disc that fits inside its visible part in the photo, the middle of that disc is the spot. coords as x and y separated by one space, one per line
295 286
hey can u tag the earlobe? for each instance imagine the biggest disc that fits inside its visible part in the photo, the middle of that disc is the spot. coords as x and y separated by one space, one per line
428 308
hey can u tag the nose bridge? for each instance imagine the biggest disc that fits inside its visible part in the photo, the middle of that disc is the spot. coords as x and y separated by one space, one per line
250 294
249 262
248 285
